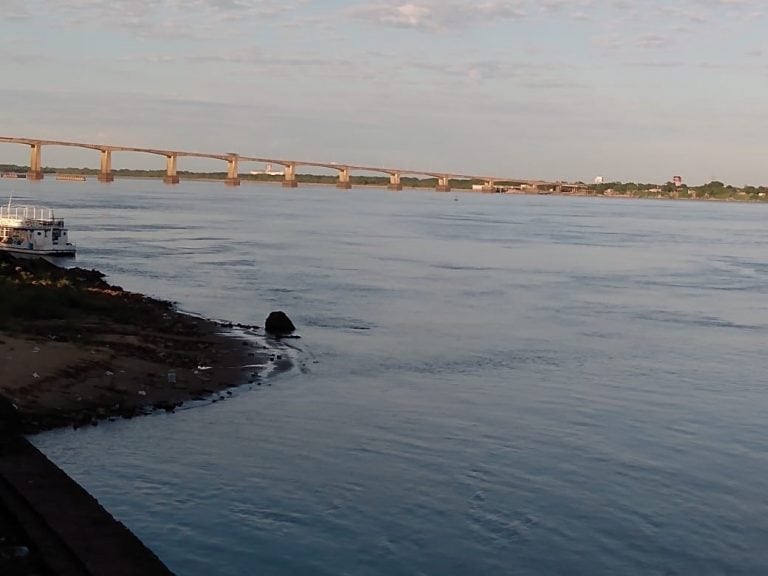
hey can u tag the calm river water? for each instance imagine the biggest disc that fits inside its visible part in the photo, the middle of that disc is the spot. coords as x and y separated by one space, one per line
486 384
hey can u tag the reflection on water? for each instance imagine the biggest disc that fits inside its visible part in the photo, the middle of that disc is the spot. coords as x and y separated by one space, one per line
499 385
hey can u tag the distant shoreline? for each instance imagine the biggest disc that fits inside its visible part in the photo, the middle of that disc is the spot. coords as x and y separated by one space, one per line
466 190
714 192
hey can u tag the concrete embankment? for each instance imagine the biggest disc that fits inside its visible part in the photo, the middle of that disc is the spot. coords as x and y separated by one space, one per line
60 529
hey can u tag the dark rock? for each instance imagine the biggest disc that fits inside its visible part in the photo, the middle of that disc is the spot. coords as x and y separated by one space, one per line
278 324
10 422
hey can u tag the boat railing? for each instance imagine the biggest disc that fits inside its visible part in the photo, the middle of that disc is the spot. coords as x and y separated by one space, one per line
30 223
30 215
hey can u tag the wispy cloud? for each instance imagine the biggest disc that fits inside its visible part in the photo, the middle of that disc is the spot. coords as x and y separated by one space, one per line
456 14
158 18
434 15
16 10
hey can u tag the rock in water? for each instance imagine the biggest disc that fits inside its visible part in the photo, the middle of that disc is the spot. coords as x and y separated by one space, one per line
278 324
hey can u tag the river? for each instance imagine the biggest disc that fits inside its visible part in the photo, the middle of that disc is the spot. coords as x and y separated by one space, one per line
484 384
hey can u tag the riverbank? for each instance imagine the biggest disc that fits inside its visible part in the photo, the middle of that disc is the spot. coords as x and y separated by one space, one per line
75 350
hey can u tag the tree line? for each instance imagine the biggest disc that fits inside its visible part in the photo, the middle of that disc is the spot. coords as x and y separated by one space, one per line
712 190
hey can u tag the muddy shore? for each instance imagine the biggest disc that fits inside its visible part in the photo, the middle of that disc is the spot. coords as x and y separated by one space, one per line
75 350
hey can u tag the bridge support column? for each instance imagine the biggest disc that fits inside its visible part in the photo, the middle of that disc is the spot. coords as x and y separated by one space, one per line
233 176
170 170
344 182
394 181
105 173
35 162
443 184
290 177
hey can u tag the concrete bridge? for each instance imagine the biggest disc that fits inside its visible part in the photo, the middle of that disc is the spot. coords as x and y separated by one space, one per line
234 160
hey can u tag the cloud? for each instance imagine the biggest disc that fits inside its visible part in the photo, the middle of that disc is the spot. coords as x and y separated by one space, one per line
432 15
657 64
202 19
15 10
438 15
520 74
654 41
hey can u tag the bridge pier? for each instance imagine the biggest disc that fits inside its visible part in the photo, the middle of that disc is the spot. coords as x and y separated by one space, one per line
394 181
443 184
35 162
233 176
290 176
344 182
170 170
105 172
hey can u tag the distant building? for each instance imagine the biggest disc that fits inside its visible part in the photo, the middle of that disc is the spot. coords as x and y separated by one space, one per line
677 180
268 171
598 179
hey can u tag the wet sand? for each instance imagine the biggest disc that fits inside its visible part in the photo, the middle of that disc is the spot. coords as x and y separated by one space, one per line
120 374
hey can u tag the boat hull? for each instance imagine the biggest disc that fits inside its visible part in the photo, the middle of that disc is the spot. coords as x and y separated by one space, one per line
69 252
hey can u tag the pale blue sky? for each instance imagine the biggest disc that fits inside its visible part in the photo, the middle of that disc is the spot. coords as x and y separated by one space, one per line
552 89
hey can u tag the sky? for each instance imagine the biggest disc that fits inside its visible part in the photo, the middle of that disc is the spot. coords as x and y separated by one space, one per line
539 89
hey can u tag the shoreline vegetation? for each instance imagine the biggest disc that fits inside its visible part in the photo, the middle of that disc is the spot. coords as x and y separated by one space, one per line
714 190
75 350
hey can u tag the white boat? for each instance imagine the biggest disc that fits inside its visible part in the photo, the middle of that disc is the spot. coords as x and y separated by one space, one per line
27 229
